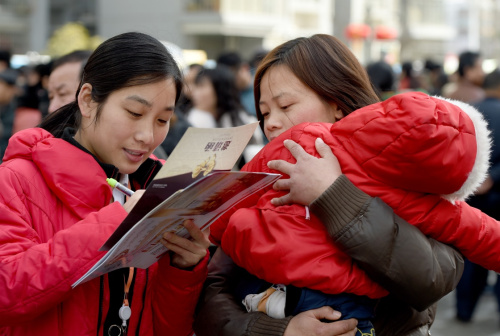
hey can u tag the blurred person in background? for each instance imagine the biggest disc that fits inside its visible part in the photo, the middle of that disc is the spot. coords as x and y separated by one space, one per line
409 80
486 199
256 58
470 77
8 104
436 78
5 56
65 78
383 79
216 103
178 126
186 99
44 70
244 78
34 100
179 123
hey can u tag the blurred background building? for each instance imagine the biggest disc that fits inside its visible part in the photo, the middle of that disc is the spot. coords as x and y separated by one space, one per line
396 29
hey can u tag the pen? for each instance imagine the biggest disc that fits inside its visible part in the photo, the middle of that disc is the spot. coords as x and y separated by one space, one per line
117 185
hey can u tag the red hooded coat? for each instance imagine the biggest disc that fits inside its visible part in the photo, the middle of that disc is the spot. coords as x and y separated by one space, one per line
55 214
421 155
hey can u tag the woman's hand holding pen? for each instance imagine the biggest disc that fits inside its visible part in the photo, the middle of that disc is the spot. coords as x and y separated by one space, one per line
187 253
309 177
132 200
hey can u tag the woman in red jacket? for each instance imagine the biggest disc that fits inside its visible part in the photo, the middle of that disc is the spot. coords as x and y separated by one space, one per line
56 208
403 150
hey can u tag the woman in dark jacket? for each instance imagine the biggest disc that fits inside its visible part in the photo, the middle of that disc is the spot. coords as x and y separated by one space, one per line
365 228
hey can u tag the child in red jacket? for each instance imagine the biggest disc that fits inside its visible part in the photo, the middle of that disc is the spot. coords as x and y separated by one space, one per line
421 155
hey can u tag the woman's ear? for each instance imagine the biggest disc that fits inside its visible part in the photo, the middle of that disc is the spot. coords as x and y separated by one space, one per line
85 102
337 112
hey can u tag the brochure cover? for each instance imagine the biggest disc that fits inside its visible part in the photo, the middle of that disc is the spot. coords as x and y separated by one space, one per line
194 183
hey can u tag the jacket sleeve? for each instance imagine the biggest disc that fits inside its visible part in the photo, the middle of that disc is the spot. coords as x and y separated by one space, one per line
174 296
218 312
35 275
263 240
414 268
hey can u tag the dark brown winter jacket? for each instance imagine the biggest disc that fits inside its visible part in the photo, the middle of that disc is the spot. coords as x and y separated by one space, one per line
379 241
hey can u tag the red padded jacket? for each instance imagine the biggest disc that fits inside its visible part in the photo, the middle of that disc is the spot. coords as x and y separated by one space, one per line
55 214
421 155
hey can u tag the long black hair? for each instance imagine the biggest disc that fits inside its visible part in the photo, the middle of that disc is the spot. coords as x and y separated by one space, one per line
124 60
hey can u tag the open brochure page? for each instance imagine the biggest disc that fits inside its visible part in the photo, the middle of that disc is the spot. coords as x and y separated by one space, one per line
200 151
195 182
203 201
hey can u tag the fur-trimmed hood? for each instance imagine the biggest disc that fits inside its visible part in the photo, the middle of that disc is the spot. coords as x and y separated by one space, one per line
420 143
481 164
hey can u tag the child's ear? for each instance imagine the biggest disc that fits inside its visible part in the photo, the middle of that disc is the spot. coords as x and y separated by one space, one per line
85 101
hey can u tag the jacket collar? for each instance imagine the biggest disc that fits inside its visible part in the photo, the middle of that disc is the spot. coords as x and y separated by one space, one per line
68 135
71 172
139 179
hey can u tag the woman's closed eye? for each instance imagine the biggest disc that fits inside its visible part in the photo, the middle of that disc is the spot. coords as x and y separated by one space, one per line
133 114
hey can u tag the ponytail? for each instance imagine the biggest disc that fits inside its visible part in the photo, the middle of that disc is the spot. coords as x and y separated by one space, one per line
67 116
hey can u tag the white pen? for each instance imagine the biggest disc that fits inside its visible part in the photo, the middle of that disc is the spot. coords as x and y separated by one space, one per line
117 185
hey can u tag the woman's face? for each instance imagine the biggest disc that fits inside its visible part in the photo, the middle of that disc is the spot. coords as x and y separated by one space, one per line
204 96
133 122
285 102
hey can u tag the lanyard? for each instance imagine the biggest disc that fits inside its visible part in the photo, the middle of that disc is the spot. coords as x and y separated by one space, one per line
127 286
125 312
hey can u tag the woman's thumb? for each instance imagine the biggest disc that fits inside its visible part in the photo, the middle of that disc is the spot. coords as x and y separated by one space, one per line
327 313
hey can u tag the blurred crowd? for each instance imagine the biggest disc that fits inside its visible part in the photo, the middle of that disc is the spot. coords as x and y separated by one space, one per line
219 95
213 96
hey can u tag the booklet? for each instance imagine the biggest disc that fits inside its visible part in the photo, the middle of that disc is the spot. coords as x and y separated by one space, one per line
196 182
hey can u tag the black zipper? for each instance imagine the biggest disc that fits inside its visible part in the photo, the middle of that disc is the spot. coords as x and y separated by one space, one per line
101 298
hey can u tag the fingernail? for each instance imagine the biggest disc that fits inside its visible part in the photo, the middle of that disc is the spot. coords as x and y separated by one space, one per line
336 314
320 140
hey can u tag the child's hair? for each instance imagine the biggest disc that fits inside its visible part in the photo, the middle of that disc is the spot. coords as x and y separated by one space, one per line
228 97
325 64
124 60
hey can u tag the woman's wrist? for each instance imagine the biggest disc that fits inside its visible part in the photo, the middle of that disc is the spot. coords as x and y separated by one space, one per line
339 204
265 325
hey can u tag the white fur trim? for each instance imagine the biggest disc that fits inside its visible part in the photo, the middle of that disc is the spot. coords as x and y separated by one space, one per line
480 169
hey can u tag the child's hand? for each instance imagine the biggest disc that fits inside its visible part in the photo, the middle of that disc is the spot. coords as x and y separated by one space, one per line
187 253
309 177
